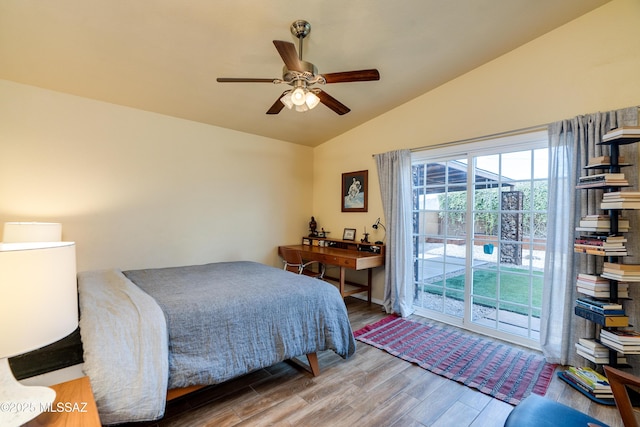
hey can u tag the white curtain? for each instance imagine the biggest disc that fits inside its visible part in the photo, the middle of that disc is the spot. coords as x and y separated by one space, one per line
571 144
394 174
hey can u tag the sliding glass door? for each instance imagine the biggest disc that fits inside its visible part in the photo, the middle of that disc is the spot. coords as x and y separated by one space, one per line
440 212
479 236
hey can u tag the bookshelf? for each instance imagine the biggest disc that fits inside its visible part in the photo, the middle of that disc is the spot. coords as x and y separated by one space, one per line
601 295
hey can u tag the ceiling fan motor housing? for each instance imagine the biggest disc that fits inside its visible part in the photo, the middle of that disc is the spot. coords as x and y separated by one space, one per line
309 70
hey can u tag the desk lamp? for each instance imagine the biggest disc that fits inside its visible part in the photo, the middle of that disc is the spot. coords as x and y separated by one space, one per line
375 227
38 306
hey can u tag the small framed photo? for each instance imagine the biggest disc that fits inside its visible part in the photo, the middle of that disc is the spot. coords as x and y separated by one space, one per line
349 234
355 194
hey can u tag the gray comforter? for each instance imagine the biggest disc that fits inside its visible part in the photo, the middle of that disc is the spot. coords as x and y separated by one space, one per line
226 319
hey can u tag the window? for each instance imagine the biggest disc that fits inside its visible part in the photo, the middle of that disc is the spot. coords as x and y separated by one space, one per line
479 237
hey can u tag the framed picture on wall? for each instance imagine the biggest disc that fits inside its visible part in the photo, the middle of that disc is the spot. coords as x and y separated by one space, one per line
355 193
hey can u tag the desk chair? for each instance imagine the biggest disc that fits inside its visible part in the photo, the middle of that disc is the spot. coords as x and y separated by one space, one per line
619 381
293 262
538 411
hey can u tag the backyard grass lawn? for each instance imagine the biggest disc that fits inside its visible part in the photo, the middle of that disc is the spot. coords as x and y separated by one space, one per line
514 288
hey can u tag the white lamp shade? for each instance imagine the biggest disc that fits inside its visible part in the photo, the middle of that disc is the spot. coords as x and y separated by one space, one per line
312 100
286 100
15 232
298 96
39 302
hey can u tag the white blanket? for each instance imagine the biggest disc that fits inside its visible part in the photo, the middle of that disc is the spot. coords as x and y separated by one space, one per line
114 313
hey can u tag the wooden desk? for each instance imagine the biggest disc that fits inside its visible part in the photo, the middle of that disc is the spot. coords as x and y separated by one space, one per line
345 259
74 406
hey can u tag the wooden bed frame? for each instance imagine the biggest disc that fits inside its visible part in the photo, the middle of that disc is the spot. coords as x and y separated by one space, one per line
313 367
68 352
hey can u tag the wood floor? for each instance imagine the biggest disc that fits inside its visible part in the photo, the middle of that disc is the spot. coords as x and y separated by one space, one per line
372 388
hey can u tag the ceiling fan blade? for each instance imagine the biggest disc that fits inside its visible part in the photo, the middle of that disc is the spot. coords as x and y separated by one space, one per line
244 80
287 51
352 76
277 106
332 103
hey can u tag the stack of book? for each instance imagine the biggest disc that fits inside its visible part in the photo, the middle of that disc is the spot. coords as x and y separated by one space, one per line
601 245
621 200
626 341
625 272
601 224
589 381
602 180
623 132
592 350
601 312
601 306
603 161
599 287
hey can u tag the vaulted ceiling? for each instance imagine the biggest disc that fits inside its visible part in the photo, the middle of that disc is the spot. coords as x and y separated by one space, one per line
164 56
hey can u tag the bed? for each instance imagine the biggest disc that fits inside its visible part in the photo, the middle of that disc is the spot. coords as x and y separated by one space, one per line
146 332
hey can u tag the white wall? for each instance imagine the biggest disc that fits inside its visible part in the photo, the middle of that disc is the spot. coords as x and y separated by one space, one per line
588 65
135 189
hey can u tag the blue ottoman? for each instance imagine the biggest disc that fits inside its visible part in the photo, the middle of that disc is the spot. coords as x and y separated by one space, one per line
536 411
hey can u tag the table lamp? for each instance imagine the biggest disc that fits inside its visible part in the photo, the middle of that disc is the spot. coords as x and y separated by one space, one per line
32 232
38 306
375 227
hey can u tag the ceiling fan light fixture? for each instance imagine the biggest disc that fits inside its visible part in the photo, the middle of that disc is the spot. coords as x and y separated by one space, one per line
286 100
301 75
311 100
298 96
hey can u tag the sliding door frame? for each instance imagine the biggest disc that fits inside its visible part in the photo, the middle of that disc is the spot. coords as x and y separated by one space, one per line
520 141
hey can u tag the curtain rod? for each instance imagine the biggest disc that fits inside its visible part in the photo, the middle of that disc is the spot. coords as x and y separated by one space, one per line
481 138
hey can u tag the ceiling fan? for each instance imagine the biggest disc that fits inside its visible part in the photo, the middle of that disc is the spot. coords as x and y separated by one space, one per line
302 76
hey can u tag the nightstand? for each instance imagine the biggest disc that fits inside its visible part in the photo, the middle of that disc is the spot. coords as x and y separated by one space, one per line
74 406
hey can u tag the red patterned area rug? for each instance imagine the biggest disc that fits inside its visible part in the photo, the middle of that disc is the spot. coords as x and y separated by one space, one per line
499 370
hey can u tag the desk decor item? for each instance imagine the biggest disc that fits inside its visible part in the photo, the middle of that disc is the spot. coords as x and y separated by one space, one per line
365 239
313 225
355 193
377 225
38 307
349 234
